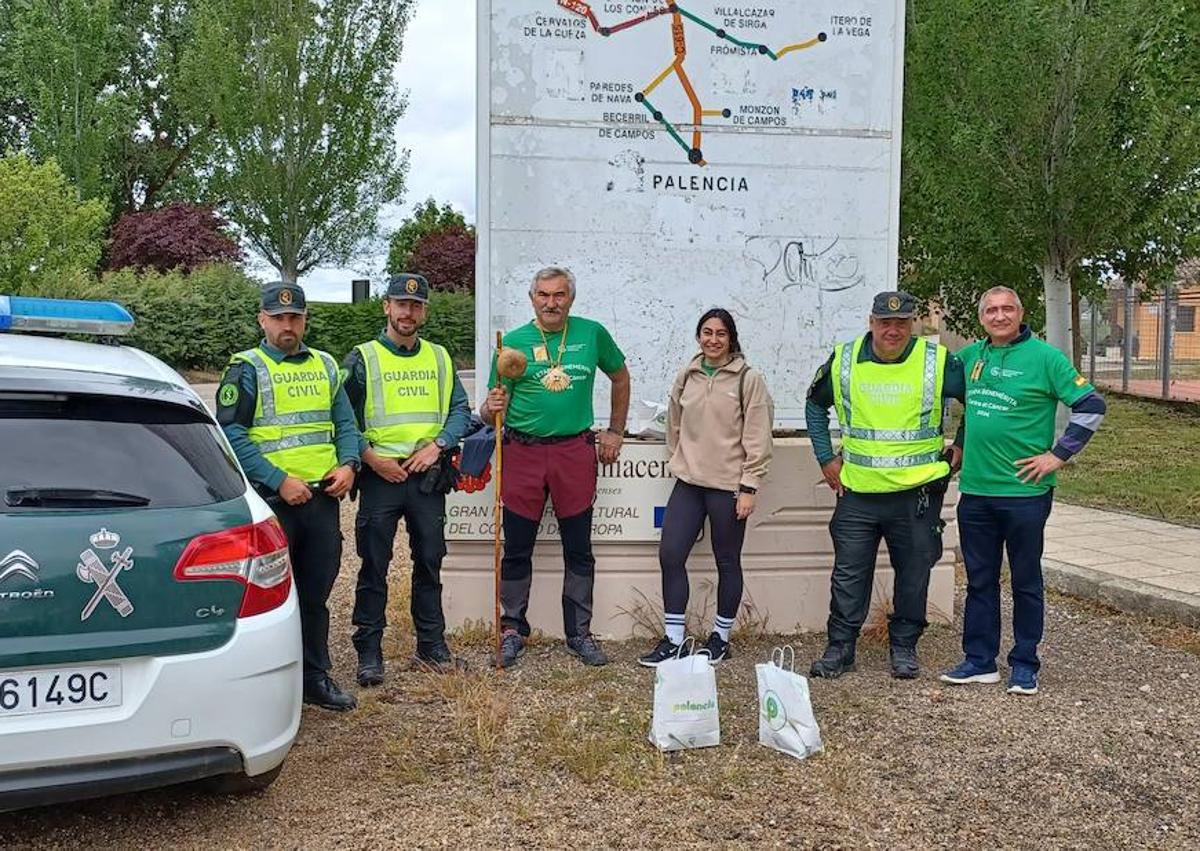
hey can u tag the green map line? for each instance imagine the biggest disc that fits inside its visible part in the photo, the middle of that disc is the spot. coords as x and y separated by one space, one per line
719 33
658 116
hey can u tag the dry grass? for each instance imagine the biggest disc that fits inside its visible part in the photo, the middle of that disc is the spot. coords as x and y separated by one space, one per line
646 616
479 703
554 755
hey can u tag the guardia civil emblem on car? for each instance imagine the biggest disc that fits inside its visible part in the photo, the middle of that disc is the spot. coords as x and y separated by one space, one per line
92 569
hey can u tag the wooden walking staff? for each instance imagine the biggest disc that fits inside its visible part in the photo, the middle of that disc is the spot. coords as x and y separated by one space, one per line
510 364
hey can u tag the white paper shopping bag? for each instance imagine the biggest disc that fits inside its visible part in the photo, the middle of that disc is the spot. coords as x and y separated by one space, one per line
685 705
785 716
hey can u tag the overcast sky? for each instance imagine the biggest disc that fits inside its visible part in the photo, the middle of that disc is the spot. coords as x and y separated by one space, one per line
437 69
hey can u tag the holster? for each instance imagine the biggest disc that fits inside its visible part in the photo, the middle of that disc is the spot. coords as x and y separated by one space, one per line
443 476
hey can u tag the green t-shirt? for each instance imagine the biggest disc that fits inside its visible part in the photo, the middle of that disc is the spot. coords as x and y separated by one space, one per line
1012 396
536 410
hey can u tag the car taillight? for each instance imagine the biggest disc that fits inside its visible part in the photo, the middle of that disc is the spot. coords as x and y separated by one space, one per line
255 555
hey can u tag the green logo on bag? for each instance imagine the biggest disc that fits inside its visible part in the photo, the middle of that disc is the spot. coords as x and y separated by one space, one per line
772 708
694 706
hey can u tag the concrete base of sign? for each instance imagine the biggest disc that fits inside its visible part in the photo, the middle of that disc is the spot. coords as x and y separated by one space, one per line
786 562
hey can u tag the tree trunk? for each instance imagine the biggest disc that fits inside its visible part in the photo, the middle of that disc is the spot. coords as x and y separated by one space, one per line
1076 328
287 271
1056 289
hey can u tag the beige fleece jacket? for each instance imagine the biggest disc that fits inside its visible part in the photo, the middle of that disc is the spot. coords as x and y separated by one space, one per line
710 443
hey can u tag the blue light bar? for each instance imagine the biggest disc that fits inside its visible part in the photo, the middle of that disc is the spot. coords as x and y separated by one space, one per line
63 316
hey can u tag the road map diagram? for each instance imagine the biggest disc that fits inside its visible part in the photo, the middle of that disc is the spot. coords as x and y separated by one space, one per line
676 68
681 155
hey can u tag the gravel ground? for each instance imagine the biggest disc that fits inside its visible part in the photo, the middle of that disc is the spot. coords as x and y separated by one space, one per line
555 755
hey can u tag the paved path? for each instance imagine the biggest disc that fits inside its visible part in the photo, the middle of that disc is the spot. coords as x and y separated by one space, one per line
1132 563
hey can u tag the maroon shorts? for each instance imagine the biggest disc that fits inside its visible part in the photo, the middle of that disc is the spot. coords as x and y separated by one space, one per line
566 470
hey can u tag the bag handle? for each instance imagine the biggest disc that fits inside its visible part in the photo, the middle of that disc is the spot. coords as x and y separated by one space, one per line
781 655
679 654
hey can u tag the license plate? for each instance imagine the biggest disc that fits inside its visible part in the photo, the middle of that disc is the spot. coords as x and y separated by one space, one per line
59 690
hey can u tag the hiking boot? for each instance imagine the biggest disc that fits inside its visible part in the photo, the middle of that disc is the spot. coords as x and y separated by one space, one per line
587 649
905 665
717 648
1022 680
437 660
837 659
662 651
967 672
512 648
370 668
325 693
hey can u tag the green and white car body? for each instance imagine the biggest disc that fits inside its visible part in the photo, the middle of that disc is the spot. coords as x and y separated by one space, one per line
149 630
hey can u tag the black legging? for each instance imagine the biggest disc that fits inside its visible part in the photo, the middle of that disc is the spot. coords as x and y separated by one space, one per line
686 510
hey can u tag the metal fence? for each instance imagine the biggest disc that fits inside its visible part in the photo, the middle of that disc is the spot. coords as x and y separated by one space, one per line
1145 347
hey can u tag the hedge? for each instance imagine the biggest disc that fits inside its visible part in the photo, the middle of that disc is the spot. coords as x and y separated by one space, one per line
337 328
197 321
191 321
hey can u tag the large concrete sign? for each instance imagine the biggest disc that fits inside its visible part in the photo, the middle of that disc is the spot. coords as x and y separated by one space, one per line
631 495
682 155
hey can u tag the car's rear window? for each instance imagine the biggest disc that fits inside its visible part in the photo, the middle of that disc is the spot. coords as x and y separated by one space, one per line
168 454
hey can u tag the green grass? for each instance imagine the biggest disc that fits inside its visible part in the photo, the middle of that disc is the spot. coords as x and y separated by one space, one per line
1145 459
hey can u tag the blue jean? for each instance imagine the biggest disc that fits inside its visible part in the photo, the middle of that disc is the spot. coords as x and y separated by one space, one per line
987 526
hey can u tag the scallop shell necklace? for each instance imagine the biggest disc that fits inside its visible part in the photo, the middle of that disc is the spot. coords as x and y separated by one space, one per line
556 379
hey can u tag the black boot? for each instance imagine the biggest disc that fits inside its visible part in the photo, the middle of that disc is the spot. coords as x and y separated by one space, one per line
905 665
326 694
370 667
837 659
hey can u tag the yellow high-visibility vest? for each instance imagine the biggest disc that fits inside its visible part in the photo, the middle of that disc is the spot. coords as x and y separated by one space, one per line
891 418
408 397
293 415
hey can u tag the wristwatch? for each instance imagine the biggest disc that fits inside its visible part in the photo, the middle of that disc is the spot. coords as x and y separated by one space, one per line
441 442
747 489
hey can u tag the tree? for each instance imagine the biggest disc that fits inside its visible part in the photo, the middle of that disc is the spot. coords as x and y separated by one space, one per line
427 218
96 84
179 236
1045 139
447 259
172 130
305 110
61 58
45 233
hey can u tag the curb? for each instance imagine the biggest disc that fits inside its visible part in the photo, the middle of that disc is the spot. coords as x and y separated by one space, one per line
1128 595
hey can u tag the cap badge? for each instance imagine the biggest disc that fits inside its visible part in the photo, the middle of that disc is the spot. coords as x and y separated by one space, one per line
893 303
285 297
411 286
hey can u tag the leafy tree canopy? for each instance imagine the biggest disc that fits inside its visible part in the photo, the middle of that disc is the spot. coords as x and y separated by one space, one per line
447 260
46 234
1047 141
427 218
305 109
178 236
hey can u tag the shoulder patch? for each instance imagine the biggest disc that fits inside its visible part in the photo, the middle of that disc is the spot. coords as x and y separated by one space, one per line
227 396
1080 380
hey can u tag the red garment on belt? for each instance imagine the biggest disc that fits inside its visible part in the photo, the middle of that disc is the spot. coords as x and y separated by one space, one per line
566 470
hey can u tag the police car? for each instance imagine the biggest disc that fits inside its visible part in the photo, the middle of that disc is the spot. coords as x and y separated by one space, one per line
149 631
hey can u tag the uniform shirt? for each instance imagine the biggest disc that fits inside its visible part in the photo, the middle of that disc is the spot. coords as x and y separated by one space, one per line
236 399
821 398
457 420
535 410
1013 393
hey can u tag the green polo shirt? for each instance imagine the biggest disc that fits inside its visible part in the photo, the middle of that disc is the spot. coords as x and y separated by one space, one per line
535 410
1013 393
